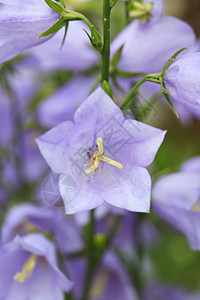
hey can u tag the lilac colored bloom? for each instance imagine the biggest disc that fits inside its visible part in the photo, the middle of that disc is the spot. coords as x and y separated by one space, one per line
76 53
109 282
157 9
182 80
21 22
176 198
33 166
192 165
29 270
6 128
165 292
62 104
147 47
24 218
128 147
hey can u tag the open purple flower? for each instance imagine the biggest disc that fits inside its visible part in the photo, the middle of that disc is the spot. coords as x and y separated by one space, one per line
182 80
28 269
148 46
24 218
102 157
21 22
176 198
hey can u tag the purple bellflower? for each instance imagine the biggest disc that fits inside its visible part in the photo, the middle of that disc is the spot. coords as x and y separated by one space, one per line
182 80
75 55
62 104
148 46
28 269
102 157
109 282
176 197
25 218
21 22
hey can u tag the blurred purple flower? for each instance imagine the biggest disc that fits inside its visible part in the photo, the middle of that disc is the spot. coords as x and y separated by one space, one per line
128 147
192 165
62 104
29 270
21 22
75 55
182 80
160 291
109 282
24 218
176 197
147 47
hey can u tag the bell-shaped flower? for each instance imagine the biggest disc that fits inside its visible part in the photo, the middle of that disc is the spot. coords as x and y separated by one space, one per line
102 157
28 269
147 47
182 81
21 22
176 197
25 218
110 280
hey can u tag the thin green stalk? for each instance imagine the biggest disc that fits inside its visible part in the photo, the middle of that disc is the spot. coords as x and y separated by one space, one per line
90 260
151 77
106 41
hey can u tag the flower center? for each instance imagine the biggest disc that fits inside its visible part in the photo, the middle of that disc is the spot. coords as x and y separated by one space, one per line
27 269
97 157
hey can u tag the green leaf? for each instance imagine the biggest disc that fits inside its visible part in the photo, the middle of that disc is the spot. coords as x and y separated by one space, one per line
57 26
170 104
55 6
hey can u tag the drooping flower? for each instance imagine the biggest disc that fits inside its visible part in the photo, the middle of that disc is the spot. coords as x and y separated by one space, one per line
103 155
25 218
177 198
21 22
28 269
182 80
148 46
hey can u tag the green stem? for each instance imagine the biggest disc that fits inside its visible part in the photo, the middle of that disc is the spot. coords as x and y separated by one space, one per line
151 77
90 260
106 41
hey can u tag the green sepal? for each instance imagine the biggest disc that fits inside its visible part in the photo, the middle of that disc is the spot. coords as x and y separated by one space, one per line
55 6
170 61
65 34
170 104
112 3
107 88
57 26
164 91
96 38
